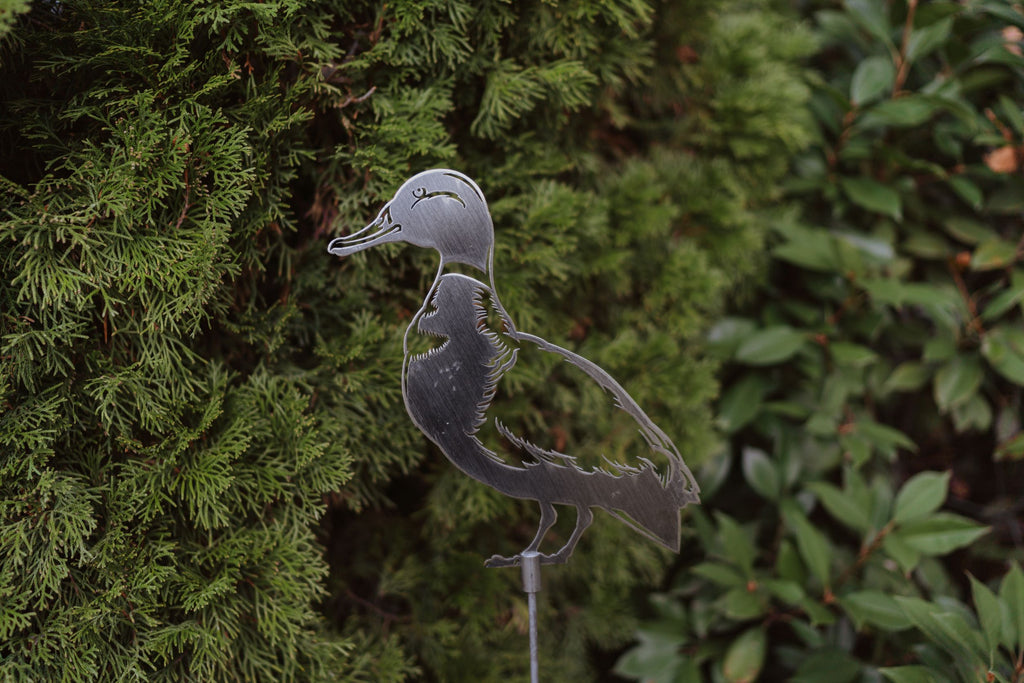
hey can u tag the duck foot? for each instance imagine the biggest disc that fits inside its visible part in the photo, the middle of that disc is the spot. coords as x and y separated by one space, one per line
497 561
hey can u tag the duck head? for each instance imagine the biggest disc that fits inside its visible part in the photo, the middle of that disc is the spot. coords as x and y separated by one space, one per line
439 208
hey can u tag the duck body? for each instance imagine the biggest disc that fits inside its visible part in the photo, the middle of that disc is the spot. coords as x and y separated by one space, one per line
473 344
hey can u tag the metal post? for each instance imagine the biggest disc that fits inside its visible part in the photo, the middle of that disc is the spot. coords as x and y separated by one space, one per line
530 564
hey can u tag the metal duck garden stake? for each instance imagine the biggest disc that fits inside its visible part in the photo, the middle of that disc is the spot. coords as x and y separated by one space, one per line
449 389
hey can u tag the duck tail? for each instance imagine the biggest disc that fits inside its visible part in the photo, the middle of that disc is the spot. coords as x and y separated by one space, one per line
651 507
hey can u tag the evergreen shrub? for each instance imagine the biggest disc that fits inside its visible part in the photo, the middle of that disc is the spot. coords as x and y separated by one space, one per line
865 521
206 472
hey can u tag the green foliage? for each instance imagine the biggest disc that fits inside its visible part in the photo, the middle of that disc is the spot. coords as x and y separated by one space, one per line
186 376
873 394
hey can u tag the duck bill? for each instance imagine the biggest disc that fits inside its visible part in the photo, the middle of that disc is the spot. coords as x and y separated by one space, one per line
380 231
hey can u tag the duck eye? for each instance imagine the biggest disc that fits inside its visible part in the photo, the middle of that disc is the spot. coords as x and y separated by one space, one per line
419 192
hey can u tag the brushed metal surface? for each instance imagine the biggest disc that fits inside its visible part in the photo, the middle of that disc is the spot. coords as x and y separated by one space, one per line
449 389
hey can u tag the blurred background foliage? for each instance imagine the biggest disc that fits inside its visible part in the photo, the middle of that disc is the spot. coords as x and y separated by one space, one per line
865 520
792 232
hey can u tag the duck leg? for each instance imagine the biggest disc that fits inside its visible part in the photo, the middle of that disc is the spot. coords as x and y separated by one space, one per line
584 517
548 516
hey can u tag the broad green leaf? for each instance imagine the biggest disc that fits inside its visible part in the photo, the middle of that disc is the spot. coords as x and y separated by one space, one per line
745 657
938 348
993 254
957 380
908 376
967 191
873 77
770 345
813 546
968 230
904 555
841 506
990 613
940 534
1007 299
720 574
1011 592
946 629
1012 112
727 334
853 355
909 674
742 402
920 496
873 195
789 592
741 604
814 251
872 15
975 413
885 438
1003 348
738 546
923 40
761 473
875 608
902 112
829 665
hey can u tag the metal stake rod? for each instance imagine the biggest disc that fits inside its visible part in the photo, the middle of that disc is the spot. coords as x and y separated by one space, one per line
530 563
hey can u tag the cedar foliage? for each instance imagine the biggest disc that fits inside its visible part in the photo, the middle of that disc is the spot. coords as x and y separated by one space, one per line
188 381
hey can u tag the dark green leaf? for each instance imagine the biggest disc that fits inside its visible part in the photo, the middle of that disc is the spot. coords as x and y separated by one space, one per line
853 355
874 608
957 380
738 546
903 112
1011 592
745 657
940 534
873 195
871 15
812 544
770 346
990 613
842 506
761 473
873 77
1006 299
908 376
920 496
909 674
993 254
923 40
742 402
1003 348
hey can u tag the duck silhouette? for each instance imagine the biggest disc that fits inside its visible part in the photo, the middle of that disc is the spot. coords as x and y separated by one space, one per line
449 389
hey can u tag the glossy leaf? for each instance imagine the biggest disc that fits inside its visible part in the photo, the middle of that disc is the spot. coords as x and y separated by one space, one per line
1003 348
761 473
875 608
924 40
993 254
745 657
957 380
873 77
873 196
842 506
909 674
940 533
770 346
990 613
1011 592
812 544
920 496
